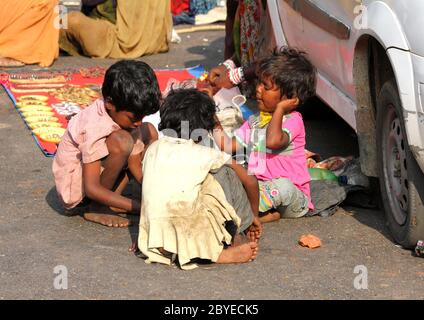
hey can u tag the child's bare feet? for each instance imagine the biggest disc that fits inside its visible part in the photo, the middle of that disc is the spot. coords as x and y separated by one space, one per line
239 254
240 239
270 217
254 232
105 216
108 220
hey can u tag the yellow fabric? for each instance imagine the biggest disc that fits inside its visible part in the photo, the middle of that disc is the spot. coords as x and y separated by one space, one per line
183 208
264 119
27 31
142 27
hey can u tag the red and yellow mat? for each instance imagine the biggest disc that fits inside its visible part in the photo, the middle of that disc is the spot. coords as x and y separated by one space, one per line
47 100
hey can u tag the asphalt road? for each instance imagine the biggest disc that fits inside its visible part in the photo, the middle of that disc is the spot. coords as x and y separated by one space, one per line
35 237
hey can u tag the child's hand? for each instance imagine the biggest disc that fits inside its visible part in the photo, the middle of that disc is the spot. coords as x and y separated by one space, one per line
219 78
288 105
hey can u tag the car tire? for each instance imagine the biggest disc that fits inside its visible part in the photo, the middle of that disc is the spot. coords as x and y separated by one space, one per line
401 179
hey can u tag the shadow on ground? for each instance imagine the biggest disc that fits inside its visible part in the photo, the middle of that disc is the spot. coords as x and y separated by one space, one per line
365 205
209 50
54 202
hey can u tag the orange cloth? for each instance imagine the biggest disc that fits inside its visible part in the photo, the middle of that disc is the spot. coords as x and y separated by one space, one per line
27 31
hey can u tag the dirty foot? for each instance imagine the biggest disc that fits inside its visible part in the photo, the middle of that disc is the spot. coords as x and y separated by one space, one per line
8 62
240 239
105 216
270 217
239 254
108 220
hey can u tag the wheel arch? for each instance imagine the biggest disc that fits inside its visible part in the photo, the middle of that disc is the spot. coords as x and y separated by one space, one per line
381 53
371 69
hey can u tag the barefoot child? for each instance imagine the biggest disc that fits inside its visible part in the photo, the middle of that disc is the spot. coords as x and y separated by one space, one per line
275 138
186 212
106 139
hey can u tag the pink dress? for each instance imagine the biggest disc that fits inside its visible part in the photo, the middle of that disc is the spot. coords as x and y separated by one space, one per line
268 164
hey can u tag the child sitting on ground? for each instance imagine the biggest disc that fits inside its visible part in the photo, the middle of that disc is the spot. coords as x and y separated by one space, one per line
105 142
275 138
187 213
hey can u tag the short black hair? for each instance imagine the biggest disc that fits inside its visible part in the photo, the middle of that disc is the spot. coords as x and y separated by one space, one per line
291 71
190 105
132 86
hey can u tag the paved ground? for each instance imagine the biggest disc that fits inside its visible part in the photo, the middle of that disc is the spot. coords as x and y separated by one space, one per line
35 237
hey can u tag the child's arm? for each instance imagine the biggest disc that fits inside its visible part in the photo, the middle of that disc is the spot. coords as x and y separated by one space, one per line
250 184
275 137
149 135
224 142
95 191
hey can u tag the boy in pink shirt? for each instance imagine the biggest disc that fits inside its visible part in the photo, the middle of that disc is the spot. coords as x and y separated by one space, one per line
275 138
105 142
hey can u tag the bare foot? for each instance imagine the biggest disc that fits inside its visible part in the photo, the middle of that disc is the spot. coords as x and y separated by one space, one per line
105 216
254 232
108 220
240 239
239 254
270 217
9 62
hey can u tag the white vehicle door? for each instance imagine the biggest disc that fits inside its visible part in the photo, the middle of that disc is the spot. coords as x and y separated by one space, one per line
291 22
325 29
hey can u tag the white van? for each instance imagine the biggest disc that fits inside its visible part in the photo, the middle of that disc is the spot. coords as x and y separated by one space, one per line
370 59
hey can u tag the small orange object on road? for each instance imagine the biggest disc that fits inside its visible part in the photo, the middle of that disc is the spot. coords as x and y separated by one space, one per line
310 241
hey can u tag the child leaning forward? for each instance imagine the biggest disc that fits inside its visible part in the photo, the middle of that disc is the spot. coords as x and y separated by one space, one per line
104 145
197 202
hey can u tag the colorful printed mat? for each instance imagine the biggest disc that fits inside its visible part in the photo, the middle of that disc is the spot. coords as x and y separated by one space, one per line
47 100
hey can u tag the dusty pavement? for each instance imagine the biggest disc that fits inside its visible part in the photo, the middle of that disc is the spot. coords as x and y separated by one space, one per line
35 237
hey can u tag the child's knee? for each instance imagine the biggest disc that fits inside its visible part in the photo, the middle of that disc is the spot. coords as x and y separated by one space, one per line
120 142
293 203
285 186
282 191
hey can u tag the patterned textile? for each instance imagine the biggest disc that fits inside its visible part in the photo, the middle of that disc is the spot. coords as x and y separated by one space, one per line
248 35
265 197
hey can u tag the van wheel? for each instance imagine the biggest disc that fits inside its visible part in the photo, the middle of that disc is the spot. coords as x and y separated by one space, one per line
401 179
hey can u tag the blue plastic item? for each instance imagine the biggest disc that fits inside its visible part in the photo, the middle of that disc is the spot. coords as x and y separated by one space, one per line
246 111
